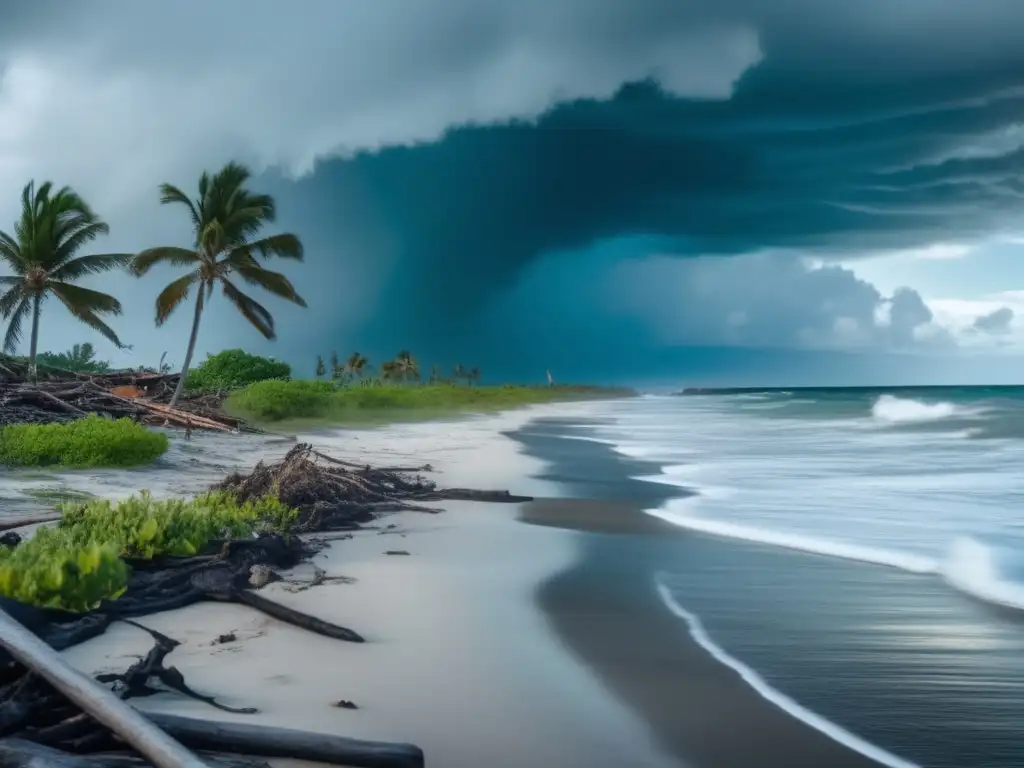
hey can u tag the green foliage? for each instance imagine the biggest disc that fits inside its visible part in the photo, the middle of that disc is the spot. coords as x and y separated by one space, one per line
275 401
47 572
90 442
144 527
81 358
79 563
278 400
42 254
234 368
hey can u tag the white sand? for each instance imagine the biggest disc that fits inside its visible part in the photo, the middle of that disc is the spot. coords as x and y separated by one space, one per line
457 659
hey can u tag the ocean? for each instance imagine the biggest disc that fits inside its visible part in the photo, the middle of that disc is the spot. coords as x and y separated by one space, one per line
856 555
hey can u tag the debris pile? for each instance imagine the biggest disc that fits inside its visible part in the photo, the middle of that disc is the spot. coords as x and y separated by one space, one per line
39 724
58 396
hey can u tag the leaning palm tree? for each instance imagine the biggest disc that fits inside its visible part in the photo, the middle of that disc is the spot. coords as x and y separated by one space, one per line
225 218
53 227
356 364
408 367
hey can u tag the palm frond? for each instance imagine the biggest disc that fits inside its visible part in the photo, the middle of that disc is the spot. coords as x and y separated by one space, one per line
284 246
173 295
251 310
85 299
91 265
142 262
271 282
10 251
171 194
73 235
91 319
11 299
17 316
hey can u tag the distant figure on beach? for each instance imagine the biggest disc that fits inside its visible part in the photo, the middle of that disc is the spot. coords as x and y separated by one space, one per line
551 379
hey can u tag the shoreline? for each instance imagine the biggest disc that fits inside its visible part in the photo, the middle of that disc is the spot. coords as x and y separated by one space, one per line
457 661
609 601
552 628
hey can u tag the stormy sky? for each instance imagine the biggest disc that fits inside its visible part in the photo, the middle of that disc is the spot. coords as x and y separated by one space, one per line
715 191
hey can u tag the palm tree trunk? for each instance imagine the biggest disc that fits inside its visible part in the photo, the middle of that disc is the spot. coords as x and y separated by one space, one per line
34 343
191 348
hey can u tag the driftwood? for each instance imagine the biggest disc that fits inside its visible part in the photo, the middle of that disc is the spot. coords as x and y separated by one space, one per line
151 742
10 523
331 495
20 753
58 396
265 741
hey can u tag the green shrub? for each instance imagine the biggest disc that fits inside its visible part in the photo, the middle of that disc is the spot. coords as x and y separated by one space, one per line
278 400
79 563
234 368
90 442
273 401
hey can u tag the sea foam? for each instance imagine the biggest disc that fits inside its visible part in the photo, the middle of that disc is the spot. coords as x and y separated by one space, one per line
782 701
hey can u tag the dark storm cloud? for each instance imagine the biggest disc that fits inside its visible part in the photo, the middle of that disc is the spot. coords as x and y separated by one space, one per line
491 139
801 157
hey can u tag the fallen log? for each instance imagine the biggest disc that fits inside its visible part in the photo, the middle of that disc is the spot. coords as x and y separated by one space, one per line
159 748
9 523
469 494
266 741
20 753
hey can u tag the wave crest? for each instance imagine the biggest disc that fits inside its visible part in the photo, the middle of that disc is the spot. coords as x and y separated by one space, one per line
897 410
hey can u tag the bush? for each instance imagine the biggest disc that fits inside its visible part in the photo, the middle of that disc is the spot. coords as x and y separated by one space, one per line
271 401
90 442
79 563
278 400
234 368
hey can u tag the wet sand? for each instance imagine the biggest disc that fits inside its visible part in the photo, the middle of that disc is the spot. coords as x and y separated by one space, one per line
607 611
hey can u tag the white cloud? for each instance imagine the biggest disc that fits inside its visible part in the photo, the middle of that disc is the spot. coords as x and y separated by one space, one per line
769 299
991 321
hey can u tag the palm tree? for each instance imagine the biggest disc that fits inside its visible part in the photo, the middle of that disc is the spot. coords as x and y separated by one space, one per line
225 217
407 367
335 366
473 376
320 369
389 370
458 372
52 228
356 364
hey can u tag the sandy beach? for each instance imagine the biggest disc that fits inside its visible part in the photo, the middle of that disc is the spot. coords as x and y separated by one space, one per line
458 659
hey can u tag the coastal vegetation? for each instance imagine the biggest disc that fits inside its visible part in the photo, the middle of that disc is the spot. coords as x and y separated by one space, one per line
227 248
233 369
81 561
225 219
92 441
271 401
43 255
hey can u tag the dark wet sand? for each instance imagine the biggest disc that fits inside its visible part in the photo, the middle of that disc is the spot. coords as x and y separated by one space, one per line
606 611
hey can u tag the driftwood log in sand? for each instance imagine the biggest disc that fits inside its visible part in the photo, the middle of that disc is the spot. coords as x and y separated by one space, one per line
151 742
19 753
264 741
